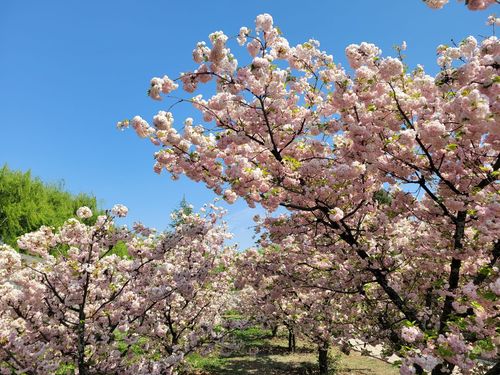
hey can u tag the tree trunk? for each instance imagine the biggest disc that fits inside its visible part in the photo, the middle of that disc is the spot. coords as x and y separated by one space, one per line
446 368
274 331
82 366
323 359
80 331
441 370
291 340
494 370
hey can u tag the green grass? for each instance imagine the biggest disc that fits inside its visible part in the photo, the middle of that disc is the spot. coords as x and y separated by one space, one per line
66 369
252 336
256 352
207 363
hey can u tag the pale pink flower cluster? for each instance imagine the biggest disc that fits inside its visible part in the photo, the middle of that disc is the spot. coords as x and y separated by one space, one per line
142 127
390 68
465 51
495 287
460 348
10 262
471 4
431 131
480 4
411 334
336 214
242 35
119 210
201 53
407 369
230 196
363 54
161 85
84 212
264 22
427 362
254 47
73 232
163 120
493 20
39 242
218 51
122 125
436 4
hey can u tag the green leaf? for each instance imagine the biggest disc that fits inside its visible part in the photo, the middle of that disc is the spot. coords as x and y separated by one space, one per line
485 345
293 163
445 351
485 271
489 295
430 334
477 305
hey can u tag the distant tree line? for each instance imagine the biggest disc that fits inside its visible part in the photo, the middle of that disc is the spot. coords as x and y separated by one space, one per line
26 203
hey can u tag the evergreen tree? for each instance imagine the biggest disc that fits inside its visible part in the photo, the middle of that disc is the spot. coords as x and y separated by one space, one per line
178 215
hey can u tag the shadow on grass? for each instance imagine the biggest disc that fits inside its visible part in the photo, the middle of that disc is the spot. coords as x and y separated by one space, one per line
268 349
288 364
257 352
356 371
262 364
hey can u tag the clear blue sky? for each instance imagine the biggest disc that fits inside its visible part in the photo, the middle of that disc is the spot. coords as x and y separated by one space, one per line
69 70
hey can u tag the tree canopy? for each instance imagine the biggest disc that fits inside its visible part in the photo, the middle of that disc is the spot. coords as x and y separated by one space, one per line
26 203
390 177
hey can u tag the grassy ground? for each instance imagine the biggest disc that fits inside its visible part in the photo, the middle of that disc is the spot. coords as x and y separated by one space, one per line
258 353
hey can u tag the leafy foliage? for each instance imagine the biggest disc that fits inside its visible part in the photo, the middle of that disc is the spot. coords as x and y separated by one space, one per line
26 203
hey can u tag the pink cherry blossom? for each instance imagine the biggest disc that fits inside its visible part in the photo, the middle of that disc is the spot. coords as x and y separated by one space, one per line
471 4
264 22
84 212
436 4
410 334
336 214
119 210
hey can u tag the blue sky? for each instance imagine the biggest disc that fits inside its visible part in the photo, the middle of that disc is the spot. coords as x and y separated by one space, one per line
69 70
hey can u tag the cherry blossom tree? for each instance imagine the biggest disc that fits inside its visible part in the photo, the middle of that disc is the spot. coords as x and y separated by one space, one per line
79 306
391 170
181 302
264 295
471 4
293 286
